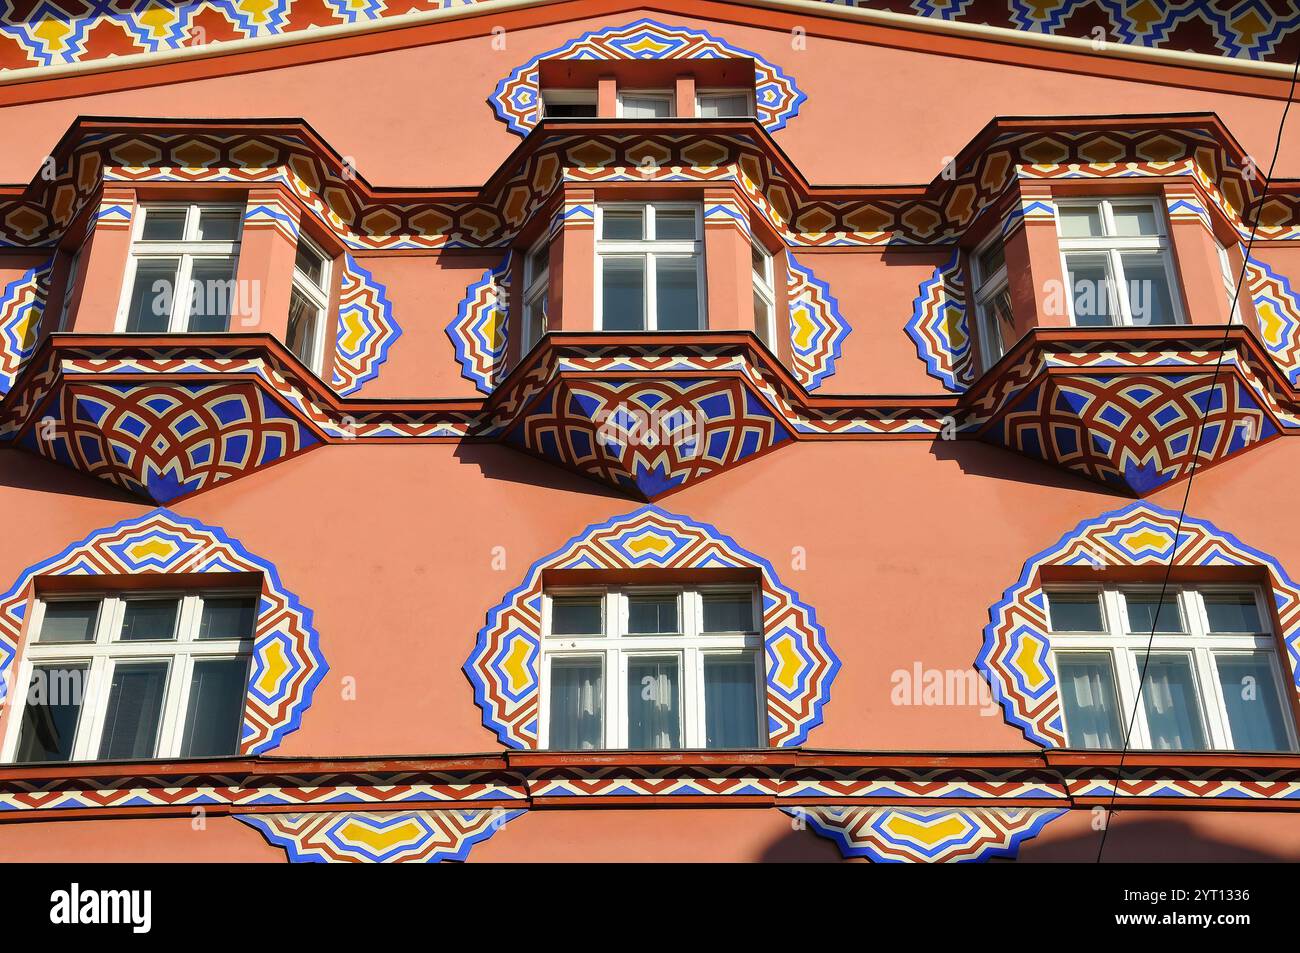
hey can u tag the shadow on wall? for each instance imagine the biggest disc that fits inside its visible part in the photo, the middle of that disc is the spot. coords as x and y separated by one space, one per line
497 462
799 847
1139 836
982 459
21 470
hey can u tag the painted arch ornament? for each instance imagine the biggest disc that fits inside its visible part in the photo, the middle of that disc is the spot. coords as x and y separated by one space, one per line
504 665
927 835
1016 658
517 98
287 661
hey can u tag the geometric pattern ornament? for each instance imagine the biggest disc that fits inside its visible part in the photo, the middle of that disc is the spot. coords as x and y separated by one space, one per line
367 329
22 305
817 329
1016 657
927 835
1133 431
479 332
503 667
167 440
360 837
939 328
287 664
517 98
1277 306
649 437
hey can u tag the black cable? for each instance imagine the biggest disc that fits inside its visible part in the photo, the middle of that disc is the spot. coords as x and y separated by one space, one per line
1196 458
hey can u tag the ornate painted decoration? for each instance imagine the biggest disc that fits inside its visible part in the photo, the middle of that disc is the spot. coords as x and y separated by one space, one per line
517 99
649 437
503 667
287 661
480 331
367 329
927 835
1277 307
167 439
939 328
817 329
1015 657
360 837
22 306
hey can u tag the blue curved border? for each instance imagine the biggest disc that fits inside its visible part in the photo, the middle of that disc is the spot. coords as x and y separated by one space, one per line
276 839
837 339
947 378
481 642
1031 565
461 341
312 645
497 98
1292 373
385 312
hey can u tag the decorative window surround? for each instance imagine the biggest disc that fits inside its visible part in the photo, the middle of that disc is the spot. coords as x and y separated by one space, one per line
817 328
1016 657
480 330
22 309
287 663
503 667
367 329
939 327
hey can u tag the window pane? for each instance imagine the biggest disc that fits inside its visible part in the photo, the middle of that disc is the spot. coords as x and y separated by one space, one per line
216 707
1143 612
150 306
677 294
1172 704
219 224
991 259
1088 697
163 225
653 712
212 294
51 712
539 263
1076 612
1135 220
149 620
1149 298
674 224
134 706
310 262
999 323
623 224
646 107
228 617
718 105
730 702
1079 221
1232 612
575 615
570 110
1089 279
300 337
729 612
536 319
763 319
758 258
1250 696
577 705
652 615
623 292
69 621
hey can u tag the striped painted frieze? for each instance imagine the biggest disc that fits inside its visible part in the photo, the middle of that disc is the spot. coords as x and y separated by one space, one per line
394 837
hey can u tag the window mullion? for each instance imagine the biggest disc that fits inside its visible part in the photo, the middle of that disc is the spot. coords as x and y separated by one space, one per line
1119 289
651 294
181 294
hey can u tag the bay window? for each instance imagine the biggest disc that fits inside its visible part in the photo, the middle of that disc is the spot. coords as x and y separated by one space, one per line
651 669
997 327
1116 262
724 104
649 267
133 676
181 271
645 104
537 277
764 295
1213 679
308 304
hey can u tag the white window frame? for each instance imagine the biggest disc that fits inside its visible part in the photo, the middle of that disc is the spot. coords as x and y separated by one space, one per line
615 646
649 249
1111 246
765 288
571 97
187 250
537 282
1230 283
661 95
1128 649
319 296
69 287
987 289
101 655
737 91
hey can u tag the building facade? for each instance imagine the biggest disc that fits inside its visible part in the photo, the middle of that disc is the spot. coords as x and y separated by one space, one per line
547 431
